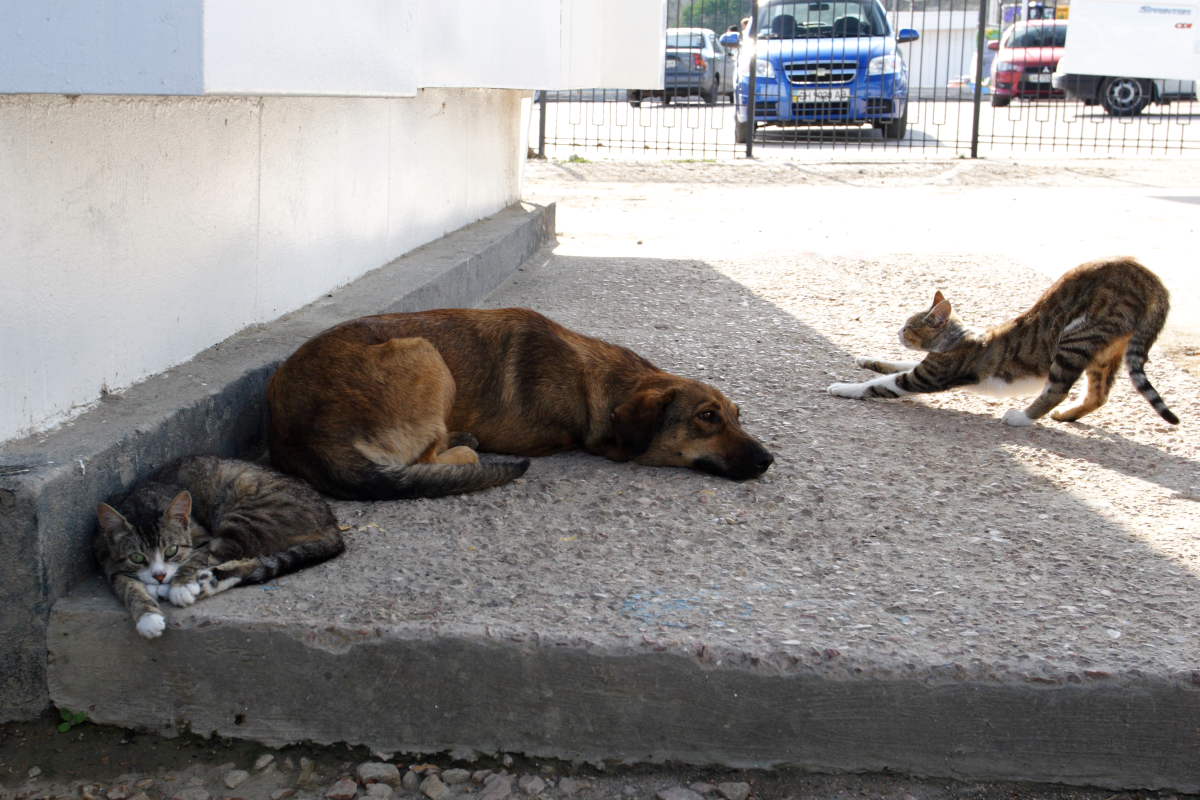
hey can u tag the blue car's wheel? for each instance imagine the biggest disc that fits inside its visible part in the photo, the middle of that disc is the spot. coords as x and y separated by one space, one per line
896 128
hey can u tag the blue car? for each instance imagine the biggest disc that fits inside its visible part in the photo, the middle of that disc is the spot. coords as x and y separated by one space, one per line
823 63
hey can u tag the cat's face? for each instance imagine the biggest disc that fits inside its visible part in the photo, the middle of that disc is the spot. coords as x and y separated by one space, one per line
152 552
921 330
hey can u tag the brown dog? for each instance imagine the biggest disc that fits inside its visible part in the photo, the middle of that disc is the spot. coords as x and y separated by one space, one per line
369 409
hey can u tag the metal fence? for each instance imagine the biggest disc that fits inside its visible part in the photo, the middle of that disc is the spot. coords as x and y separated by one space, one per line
957 104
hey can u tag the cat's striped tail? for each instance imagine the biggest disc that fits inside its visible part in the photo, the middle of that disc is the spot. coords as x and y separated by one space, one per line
1137 354
261 569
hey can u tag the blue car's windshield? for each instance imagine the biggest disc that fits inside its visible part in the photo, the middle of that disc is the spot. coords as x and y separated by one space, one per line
821 20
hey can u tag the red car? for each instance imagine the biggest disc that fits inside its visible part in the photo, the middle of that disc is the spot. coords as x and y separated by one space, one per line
1027 54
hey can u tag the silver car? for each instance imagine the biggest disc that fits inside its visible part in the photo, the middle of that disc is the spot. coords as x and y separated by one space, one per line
696 65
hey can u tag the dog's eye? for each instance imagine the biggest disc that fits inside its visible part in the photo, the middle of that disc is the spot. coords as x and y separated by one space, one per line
709 416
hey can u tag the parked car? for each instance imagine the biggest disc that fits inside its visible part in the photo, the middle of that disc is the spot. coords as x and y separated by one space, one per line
1027 55
695 65
822 62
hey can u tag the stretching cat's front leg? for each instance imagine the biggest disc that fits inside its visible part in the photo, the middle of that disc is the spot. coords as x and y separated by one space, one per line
142 606
885 367
886 386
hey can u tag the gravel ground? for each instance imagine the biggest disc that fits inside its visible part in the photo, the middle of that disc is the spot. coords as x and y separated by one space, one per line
102 763
892 535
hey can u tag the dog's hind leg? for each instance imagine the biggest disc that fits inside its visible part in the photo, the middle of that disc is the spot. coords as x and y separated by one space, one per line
456 455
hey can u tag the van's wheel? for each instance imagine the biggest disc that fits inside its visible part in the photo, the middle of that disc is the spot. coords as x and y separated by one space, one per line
709 95
1125 97
1000 100
742 131
635 98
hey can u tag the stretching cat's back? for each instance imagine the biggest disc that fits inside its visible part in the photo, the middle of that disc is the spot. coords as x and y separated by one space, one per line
1090 320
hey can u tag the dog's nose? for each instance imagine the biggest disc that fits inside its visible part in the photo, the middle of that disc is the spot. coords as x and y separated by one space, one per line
764 460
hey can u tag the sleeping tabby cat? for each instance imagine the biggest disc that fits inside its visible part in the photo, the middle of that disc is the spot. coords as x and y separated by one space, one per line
1094 315
202 525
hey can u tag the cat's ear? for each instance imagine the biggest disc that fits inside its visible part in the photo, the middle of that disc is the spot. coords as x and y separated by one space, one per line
110 519
940 313
180 508
937 298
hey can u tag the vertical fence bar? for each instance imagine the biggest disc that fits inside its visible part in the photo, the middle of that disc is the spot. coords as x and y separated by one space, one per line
980 34
542 124
751 33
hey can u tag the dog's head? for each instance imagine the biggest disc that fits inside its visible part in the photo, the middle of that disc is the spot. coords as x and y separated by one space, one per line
678 422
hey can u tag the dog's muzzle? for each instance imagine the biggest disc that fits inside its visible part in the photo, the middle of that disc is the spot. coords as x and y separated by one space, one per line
751 462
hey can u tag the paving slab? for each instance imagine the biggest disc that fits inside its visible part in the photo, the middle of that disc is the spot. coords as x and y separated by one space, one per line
913 586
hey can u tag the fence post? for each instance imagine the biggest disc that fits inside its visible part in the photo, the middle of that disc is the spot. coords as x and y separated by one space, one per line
979 46
542 125
751 33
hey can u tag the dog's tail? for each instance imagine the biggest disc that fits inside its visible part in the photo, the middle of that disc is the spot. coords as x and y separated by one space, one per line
366 480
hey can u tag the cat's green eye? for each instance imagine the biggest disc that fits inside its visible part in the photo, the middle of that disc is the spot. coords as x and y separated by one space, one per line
171 551
137 558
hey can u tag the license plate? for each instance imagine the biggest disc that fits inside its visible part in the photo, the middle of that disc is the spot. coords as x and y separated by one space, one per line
1038 77
820 95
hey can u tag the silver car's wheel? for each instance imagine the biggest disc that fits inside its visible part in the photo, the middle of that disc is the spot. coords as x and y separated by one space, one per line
1125 97
742 131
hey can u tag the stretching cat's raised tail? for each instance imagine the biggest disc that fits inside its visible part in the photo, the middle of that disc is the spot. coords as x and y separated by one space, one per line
1136 356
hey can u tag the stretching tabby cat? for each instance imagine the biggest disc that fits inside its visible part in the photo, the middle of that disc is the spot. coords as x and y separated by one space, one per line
1094 315
202 525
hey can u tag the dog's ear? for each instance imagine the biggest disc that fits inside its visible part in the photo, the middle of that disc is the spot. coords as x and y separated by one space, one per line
637 421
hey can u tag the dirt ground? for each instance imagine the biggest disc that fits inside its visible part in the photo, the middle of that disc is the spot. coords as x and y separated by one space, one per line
96 762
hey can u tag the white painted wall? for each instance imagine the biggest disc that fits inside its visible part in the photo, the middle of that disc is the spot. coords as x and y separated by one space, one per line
384 48
172 171
137 231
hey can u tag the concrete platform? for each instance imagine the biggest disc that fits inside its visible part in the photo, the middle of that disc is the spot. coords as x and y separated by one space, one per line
913 587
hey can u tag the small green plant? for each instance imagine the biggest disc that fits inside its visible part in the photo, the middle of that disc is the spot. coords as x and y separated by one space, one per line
577 159
70 719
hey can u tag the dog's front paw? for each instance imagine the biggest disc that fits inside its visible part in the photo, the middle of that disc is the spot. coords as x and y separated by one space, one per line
151 625
184 594
852 390
1017 418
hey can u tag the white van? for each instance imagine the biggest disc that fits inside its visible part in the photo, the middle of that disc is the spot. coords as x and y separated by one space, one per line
1126 54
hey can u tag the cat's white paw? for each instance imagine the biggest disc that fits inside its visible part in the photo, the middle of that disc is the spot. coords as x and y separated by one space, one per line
1017 418
185 594
151 625
862 361
854 391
